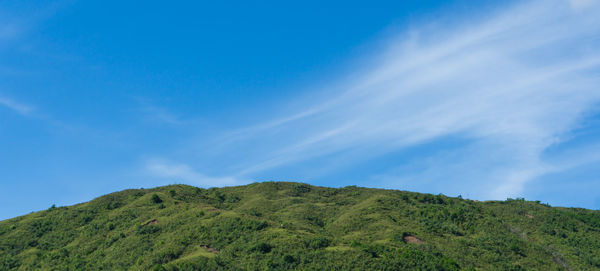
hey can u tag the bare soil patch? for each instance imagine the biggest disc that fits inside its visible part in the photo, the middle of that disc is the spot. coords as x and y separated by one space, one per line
412 239
210 249
151 222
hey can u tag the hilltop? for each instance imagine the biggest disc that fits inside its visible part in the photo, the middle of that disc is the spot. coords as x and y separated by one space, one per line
282 225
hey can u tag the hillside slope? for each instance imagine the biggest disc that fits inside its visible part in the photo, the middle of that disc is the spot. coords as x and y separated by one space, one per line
279 225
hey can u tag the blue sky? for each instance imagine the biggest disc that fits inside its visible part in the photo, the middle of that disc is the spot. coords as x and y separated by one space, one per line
489 100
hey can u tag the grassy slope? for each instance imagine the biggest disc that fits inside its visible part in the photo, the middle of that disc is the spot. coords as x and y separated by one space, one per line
288 225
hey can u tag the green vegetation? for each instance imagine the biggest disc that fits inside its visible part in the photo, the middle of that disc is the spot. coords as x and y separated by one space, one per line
277 225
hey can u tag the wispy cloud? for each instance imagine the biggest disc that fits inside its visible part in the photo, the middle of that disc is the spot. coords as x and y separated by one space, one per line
18 107
153 113
179 172
157 114
516 83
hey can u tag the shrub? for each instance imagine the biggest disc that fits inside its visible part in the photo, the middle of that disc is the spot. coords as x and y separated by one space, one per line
254 212
318 242
156 199
299 189
113 205
232 199
289 258
150 229
262 247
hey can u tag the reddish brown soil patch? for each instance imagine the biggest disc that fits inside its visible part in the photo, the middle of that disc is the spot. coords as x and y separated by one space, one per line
210 249
152 222
412 240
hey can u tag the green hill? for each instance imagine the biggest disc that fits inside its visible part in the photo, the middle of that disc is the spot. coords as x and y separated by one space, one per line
280 225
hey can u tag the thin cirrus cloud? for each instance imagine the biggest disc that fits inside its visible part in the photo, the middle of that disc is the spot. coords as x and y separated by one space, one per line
513 85
15 106
184 173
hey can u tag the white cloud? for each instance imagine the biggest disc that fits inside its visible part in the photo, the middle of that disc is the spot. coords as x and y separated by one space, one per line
156 114
179 172
16 106
160 115
519 82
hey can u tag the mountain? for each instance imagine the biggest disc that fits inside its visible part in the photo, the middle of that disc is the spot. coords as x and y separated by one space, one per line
283 225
